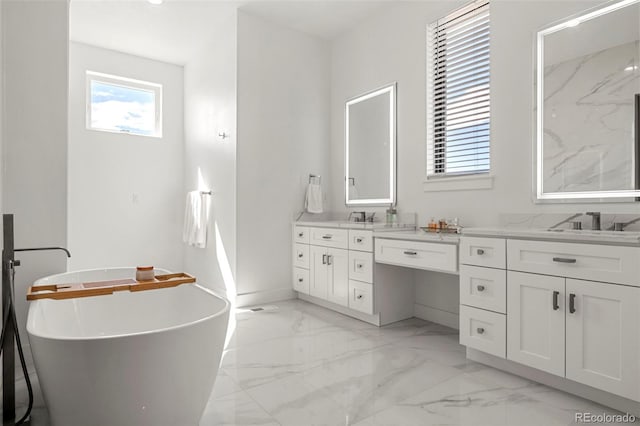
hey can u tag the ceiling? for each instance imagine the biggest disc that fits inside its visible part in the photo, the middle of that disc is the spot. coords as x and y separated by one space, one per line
176 30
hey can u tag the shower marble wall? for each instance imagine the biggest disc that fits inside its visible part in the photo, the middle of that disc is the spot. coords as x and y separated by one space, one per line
588 121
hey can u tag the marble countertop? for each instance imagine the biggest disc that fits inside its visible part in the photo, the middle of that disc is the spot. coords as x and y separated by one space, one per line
419 235
565 235
376 226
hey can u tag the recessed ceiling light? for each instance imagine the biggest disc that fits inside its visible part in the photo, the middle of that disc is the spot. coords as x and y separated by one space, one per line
573 23
155 1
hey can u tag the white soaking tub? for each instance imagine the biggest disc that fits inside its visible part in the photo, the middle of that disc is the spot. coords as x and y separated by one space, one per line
131 358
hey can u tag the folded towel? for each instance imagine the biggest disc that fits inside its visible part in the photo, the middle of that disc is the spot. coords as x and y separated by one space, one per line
196 218
313 200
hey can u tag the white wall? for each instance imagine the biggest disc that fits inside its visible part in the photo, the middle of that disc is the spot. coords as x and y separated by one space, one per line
390 46
34 162
126 200
210 162
283 136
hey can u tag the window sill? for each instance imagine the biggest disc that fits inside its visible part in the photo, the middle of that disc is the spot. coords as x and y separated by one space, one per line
458 183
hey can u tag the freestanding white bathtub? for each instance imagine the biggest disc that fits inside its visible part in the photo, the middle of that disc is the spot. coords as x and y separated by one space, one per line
131 358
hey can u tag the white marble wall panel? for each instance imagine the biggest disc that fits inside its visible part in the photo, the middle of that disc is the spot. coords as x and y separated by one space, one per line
588 121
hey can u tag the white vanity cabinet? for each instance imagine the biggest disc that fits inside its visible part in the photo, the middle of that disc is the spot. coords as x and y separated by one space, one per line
592 328
329 274
572 309
338 264
603 336
483 295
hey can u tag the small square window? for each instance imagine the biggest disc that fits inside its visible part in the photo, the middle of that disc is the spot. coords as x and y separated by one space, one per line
123 105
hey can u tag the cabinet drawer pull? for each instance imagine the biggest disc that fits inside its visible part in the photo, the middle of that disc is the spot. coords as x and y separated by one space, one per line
327 237
564 260
480 288
555 300
480 252
480 330
358 240
572 303
410 253
359 296
324 259
329 259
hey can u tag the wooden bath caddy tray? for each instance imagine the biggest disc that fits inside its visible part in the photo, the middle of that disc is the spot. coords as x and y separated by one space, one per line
100 288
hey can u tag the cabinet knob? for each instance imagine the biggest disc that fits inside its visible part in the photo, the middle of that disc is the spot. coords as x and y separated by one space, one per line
300 254
359 265
300 280
358 240
480 288
480 252
359 296
301 234
480 330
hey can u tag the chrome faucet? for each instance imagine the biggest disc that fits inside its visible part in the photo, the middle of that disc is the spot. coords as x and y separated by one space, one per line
570 218
595 220
619 226
361 216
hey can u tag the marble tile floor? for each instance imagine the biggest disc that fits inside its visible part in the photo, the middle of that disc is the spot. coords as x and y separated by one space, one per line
305 365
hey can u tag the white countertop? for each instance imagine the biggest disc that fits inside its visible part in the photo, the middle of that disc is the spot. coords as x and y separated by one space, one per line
419 235
376 226
567 235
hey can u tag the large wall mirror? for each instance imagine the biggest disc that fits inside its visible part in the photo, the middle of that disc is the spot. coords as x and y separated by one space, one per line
588 101
370 148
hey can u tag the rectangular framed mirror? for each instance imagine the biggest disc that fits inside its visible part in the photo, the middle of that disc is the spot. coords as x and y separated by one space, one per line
370 148
587 86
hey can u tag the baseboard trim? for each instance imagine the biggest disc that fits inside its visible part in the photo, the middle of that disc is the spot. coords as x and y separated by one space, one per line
605 398
268 296
438 316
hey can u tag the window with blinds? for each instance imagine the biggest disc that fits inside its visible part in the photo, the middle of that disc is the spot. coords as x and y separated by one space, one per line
458 96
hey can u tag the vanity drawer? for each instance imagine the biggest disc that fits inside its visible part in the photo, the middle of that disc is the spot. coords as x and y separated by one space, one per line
483 330
361 266
360 240
361 296
484 288
301 280
417 254
301 256
614 264
329 237
489 252
301 234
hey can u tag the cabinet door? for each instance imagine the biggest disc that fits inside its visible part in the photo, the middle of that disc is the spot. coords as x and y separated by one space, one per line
338 282
535 321
318 275
603 336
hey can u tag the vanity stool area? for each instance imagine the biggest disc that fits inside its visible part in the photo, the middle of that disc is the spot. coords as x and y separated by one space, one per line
560 310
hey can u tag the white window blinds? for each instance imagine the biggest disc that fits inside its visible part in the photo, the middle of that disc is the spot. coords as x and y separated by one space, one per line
458 96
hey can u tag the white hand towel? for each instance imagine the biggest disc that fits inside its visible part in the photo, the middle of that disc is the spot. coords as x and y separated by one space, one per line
313 200
196 218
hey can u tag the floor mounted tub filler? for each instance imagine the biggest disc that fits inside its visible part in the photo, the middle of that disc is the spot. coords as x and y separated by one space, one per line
130 358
